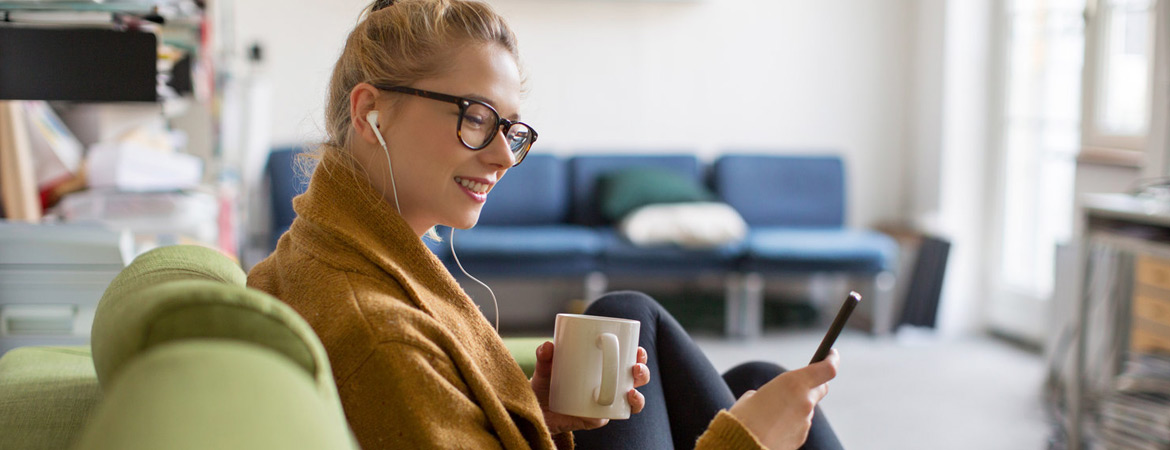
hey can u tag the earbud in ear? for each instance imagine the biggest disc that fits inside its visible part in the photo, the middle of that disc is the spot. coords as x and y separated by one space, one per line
372 118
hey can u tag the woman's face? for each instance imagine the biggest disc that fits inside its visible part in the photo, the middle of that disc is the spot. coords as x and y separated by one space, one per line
439 180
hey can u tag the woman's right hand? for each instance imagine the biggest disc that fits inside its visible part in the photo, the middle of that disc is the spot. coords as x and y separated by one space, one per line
780 412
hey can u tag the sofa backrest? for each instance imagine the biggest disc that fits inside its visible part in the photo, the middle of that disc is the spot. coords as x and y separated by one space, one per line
285 182
586 170
778 190
534 193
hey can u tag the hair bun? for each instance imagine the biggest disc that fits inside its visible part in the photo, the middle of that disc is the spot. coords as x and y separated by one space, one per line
379 4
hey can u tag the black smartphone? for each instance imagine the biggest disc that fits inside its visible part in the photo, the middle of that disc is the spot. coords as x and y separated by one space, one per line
851 302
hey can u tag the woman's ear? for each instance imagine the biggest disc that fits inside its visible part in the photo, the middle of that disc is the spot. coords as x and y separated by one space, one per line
363 101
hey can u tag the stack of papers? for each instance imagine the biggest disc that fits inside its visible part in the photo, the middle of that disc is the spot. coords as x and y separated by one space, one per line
1136 415
51 278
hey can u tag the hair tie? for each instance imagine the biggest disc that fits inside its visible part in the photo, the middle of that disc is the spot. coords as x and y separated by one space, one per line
379 4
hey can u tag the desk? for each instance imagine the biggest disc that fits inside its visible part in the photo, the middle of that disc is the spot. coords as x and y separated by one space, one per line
1131 226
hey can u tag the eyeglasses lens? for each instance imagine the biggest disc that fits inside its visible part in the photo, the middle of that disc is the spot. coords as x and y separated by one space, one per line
480 124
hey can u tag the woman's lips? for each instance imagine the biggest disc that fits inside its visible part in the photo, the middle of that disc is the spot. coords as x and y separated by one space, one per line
476 189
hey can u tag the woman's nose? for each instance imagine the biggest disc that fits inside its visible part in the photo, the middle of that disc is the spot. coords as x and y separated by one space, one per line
498 152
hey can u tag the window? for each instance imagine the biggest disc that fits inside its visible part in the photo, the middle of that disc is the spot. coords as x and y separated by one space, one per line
1119 53
1041 136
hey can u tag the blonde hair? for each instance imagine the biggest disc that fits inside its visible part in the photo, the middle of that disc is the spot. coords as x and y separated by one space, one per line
399 43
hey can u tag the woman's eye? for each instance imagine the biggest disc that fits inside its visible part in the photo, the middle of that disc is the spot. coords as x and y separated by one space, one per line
475 119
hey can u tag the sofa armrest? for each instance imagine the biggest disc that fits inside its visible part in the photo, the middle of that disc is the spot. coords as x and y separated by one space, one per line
523 350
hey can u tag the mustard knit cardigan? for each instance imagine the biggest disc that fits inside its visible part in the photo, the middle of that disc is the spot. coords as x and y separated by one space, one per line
416 362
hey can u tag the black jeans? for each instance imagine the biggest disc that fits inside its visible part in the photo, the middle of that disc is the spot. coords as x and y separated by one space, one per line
685 391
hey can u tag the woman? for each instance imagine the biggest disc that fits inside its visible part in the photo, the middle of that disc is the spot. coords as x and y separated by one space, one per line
423 120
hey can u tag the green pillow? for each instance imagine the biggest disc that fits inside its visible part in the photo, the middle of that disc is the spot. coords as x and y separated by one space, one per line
621 192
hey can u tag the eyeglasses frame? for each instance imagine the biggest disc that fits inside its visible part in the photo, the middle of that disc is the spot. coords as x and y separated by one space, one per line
464 103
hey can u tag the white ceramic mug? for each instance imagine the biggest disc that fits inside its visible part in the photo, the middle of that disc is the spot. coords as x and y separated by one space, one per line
592 366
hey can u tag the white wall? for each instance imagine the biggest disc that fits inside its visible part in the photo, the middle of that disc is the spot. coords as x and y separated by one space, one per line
705 75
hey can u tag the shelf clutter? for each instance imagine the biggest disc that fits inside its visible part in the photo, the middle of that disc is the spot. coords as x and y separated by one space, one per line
1135 414
108 147
51 278
119 75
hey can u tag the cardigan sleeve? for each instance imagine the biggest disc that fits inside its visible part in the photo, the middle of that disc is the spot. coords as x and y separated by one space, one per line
404 396
727 432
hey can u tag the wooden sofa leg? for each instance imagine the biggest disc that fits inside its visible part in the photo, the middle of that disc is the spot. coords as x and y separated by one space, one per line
884 307
745 306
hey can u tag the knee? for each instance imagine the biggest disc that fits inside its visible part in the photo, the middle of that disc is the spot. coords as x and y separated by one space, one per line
752 375
625 305
762 368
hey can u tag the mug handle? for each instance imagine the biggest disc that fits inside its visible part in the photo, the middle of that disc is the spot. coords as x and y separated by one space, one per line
608 343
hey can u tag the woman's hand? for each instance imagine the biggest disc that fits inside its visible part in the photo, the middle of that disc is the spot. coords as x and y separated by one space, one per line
559 423
780 413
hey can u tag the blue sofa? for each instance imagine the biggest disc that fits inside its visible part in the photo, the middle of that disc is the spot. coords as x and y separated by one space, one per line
543 220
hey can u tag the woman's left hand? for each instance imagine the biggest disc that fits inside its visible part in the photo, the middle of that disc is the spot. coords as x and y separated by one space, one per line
560 423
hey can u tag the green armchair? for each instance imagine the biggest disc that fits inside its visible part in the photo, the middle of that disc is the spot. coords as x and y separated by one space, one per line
182 355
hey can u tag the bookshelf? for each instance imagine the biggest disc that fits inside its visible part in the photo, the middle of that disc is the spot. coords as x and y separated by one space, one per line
135 81
139 71
1122 348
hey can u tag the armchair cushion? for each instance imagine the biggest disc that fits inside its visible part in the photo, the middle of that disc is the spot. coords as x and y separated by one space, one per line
46 394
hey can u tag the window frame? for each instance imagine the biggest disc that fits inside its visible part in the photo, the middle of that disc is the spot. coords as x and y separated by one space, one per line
1096 145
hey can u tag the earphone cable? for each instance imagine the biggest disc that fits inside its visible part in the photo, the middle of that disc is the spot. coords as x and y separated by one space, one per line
495 304
372 118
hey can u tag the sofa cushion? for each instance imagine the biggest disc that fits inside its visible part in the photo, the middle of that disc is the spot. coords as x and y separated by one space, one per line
623 191
816 250
533 193
622 257
585 172
214 394
46 395
527 250
793 191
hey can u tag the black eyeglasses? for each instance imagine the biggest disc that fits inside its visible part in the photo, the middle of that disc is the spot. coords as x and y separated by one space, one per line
478 122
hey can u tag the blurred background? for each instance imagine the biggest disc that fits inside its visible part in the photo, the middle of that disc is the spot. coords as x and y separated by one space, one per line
1022 142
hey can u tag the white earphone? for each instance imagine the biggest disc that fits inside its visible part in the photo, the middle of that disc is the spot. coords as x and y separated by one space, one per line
372 118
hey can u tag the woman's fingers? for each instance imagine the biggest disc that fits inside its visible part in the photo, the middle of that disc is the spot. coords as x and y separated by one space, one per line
637 401
820 373
642 357
544 357
641 375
